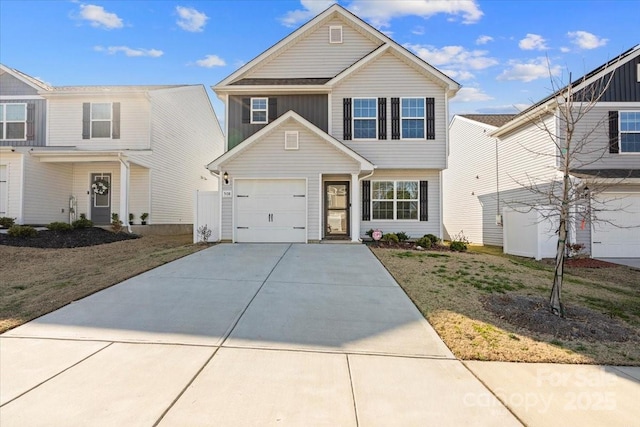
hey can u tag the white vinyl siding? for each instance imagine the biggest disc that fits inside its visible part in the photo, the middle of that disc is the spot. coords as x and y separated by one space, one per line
82 185
380 79
4 190
139 192
47 187
313 56
267 159
13 167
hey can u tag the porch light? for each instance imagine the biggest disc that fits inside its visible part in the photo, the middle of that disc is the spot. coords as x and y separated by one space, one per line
226 178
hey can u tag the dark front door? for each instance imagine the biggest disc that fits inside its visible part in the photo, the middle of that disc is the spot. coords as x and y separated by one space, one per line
336 202
101 198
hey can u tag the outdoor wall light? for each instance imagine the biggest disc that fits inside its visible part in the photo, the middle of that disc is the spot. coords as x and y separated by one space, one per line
226 178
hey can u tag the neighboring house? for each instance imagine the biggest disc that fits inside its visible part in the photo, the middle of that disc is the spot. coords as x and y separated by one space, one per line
494 158
146 144
333 131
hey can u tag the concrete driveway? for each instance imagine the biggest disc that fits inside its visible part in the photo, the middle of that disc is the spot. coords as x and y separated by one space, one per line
242 335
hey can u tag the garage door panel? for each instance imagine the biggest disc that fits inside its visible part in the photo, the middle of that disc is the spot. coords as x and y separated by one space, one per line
617 234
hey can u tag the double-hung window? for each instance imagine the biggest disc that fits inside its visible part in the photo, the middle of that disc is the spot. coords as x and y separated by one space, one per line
13 121
413 118
395 200
259 110
365 118
101 120
630 131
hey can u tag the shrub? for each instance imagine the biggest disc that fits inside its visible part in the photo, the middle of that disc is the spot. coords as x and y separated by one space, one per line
83 222
116 224
459 242
7 222
22 231
402 236
59 226
391 237
428 241
434 239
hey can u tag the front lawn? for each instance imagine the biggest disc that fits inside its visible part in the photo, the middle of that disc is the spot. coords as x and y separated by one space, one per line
488 306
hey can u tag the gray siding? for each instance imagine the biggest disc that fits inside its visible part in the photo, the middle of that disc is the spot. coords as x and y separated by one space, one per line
624 87
39 122
10 86
311 107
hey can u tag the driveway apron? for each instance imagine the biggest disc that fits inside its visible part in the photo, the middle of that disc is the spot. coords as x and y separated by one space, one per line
242 335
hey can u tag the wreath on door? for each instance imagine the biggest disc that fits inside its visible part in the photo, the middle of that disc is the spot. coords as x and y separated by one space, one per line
100 186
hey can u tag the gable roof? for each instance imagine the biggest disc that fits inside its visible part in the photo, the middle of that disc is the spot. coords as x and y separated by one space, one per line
247 143
548 103
329 13
495 120
27 79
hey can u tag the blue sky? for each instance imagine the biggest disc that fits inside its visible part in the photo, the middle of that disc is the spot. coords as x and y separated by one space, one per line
498 50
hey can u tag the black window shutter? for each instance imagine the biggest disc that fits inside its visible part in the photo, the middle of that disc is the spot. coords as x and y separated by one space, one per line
395 118
424 194
273 109
431 118
31 129
86 120
613 132
246 110
366 200
115 124
382 118
346 119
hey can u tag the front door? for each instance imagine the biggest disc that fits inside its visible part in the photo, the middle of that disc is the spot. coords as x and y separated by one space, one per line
336 202
101 198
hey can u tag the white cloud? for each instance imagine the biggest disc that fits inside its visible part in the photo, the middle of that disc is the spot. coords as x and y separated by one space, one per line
533 42
211 61
380 13
529 71
460 75
454 57
112 50
564 49
418 31
190 19
484 40
471 94
586 40
100 18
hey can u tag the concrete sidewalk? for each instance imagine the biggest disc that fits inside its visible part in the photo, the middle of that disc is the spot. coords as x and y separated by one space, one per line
267 334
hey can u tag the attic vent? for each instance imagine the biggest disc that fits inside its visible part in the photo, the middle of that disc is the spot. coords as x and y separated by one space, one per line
335 34
291 140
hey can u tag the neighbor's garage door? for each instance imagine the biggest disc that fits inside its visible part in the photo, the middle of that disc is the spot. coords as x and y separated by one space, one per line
623 210
271 210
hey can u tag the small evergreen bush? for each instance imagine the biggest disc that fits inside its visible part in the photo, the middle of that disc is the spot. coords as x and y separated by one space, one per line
402 236
391 237
59 226
83 222
22 231
7 222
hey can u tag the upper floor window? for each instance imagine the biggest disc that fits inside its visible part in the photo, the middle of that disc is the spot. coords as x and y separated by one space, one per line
413 118
101 120
395 200
365 117
630 131
259 110
13 121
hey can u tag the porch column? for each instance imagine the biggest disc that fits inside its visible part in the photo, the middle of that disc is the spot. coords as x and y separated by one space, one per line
355 208
124 193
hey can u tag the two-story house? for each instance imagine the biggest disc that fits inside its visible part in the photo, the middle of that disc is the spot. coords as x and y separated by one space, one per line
100 150
496 162
333 131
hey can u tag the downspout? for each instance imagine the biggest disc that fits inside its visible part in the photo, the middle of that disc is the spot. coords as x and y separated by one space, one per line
126 202
359 181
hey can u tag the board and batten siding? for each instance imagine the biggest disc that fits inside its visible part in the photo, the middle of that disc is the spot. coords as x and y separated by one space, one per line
314 56
312 107
267 158
82 185
13 173
381 78
470 183
414 228
39 123
65 122
47 187
185 135
623 87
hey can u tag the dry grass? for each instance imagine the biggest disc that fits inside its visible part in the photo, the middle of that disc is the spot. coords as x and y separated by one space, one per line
448 288
36 281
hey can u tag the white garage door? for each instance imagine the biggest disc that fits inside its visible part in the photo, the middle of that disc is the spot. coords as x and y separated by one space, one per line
271 210
623 210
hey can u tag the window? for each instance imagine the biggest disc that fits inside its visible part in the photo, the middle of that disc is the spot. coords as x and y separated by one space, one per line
394 200
101 120
259 110
630 131
412 117
365 115
13 121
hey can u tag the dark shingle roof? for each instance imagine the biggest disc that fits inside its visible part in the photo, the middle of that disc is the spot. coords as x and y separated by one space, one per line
606 173
269 82
496 120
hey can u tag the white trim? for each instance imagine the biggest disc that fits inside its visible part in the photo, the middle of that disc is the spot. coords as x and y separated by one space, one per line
21 97
291 140
424 118
440 205
354 210
5 122
6 181
258 110
91 120
321 207
329 111
354 118
395 200
333 40
620 132
226 122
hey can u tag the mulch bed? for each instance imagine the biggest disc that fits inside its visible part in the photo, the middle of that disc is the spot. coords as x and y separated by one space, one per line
70 239
587 263
533 314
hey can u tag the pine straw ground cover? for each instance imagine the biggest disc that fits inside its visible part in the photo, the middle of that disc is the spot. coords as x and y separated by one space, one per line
488 306
36 281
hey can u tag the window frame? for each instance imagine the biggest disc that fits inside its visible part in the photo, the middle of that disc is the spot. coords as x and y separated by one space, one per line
621 132
354 118
4 122
423 118
92 120
395 200
257 110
